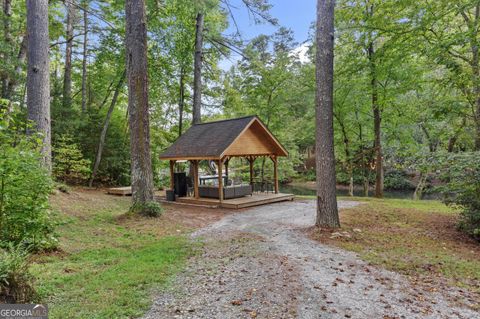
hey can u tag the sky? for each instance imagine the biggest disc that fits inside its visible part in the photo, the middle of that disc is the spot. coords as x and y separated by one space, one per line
297 15
294 14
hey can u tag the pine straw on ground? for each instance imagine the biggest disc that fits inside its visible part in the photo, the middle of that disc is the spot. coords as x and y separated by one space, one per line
416 238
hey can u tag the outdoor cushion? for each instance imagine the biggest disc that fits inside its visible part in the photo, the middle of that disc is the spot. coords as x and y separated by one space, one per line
228 192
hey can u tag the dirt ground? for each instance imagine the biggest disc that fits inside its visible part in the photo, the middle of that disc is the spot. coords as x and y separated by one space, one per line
259 263
83 202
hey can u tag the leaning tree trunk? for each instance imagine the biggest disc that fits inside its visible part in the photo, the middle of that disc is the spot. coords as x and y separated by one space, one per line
21 56
138 117
85 53
109 91
377 119
103 134
197 72
422 181
38 74
67 77
327 211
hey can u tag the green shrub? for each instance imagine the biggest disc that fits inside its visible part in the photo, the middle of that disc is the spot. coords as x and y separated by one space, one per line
343 177
461 172
25 186
397 180
114 167
68 162
62 187
150 209
161 179
15 279
310 175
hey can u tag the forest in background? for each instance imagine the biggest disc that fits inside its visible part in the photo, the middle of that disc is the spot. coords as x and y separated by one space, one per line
410 67
406 99
406 84
99 89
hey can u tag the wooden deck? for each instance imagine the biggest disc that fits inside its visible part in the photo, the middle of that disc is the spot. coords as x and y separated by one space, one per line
122 191
237 203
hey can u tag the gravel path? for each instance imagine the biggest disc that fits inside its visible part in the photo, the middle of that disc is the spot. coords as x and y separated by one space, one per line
257 264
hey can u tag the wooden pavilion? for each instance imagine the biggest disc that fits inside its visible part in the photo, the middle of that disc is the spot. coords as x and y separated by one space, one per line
219 141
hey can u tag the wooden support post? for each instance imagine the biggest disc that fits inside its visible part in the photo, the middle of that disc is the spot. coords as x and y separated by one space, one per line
195 179
250 160
226 170
172 171
275 173
220 181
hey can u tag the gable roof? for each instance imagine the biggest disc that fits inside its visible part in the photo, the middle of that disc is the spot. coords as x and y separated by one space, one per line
212 139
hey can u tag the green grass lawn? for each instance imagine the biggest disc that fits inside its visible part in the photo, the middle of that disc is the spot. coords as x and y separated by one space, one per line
416 238
108 264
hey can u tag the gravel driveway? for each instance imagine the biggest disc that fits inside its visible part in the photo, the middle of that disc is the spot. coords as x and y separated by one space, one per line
257 264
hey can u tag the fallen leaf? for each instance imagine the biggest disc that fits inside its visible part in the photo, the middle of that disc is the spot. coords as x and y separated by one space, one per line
237 302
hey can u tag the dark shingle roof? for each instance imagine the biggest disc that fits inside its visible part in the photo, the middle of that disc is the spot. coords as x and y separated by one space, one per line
209 139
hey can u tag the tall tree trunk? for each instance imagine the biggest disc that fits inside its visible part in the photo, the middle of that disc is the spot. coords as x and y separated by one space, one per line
379 175
477 117
348 158
366 183
85 53
432 140
197 71
377 119
103 134
181 101
90 96
67 77
476 88
197 75
7 22
451 143
7 16
21 56
38 74
473 24
327 211
349 167
23 98
138 116
477 126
